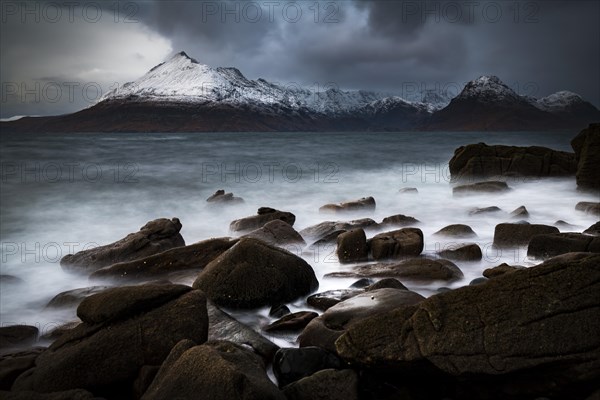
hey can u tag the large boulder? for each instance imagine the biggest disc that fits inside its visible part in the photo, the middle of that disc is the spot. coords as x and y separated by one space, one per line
483 161
263 215
14 364
253 273
324 330
554 244
363 204
154 237
420 269
123 329
587 153
523 334
352 246
401 243
512 235
277 232
216 370
193 257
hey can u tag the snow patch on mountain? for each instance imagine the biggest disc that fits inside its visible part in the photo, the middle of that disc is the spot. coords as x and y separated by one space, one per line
559 102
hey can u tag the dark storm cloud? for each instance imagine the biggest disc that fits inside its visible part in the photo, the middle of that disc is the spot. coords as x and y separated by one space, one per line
536 47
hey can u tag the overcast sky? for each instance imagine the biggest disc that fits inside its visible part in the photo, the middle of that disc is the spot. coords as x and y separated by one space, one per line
59 57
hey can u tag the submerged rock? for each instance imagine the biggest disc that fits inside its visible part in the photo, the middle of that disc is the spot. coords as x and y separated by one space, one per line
399 220
154 237
457 231
363 204
220 197
264 215
484 210
520 212
481 187
588 207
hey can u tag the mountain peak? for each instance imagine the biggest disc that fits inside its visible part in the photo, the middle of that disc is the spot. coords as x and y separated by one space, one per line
489 88
183 54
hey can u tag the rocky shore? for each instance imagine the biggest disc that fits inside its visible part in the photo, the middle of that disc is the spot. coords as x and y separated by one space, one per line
158 320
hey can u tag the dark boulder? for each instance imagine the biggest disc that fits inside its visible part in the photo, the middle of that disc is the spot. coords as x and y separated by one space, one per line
328 384
513 342
193 257
554 244
408 190
363 204
399 220
220 197
420 269
263 215
594 229
216 370
72 298
324 330
291 364
329 230
17 336
153 238
253 273
520 212
278 233
291 322
481 187
501 270
512 235
124 331
279 311
401 243
457 231
587 152
14 364
468 252
483 161
352 246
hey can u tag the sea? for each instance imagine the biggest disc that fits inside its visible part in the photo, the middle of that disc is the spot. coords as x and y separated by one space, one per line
62 193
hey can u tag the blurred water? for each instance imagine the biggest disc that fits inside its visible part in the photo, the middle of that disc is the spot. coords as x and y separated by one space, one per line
62 192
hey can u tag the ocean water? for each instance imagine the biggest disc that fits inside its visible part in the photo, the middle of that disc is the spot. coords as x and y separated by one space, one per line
64 192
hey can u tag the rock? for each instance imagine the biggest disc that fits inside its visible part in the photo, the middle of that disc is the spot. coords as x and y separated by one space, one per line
220 197
75 394
278 233
468 252
390 283
501 270
512 235
588 207
323 301
594 229
408 190
17 336
72 298
554 244
324 330
279 311
564 225
6 280
485 210
363 204
362 283
327 384
126 301
153 238
520 212
292 364
420 269
483 161
399 220
264 215
481 187
478 281
352 246
222 326
107 356
144 380
193 257
397 244
291 322
14 364
517 329
60 330
217 371
328 229
457 231
587 152
253 273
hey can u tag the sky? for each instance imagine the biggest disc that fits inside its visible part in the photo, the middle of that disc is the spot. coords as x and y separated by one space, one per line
61 56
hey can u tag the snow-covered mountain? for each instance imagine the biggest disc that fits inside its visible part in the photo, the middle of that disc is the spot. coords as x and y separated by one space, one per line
182 95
